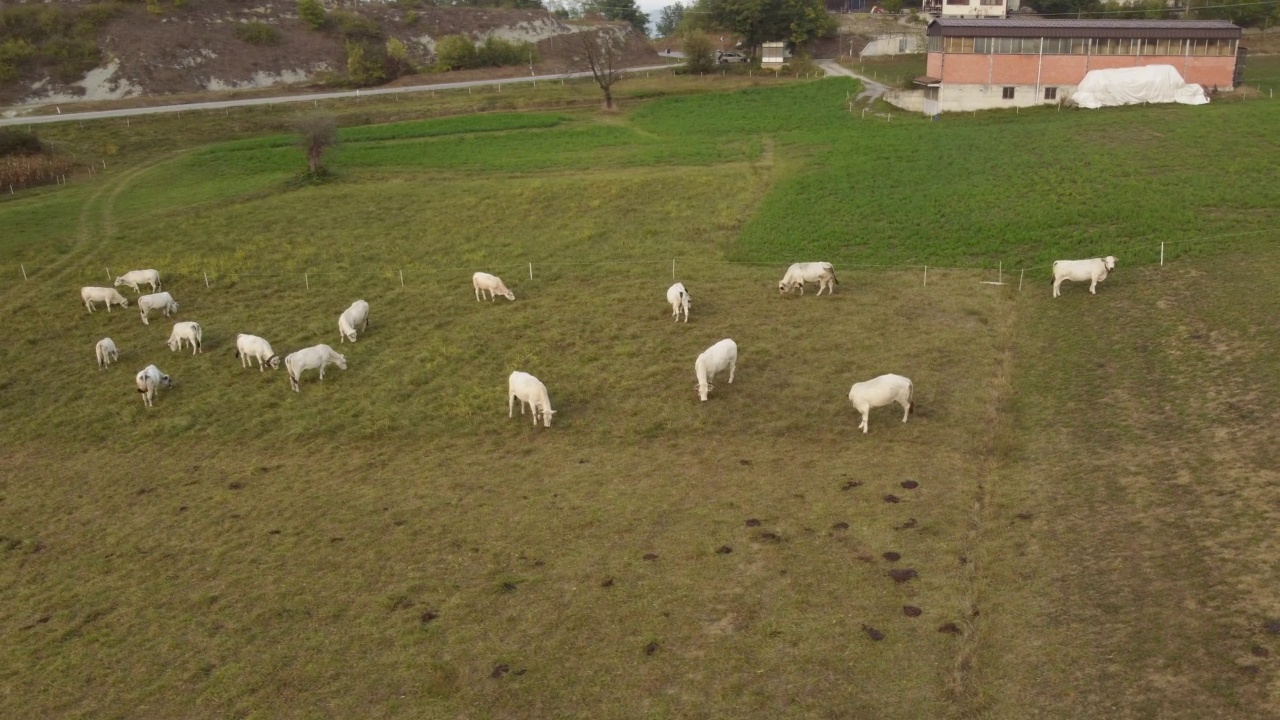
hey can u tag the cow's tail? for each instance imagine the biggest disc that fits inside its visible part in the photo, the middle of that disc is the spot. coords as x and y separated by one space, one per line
833 274
911 398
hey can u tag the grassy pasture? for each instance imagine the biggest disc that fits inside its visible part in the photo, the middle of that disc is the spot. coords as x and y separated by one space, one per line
388 544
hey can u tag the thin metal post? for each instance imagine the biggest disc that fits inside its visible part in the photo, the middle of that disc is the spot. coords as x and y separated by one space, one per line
1161 254
673 268
926 276
402 278
24 271
306 279
206 279
530 271
1000 273
1020 274
108 272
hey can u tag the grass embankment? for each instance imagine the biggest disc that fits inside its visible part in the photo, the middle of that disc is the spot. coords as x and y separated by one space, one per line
389 543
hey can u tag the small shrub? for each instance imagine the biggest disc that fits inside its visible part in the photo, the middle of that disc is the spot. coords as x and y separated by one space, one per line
19 142
455 52
312 13
366 63
319 132
496 52
411 18
397 62
258 33
354 27
698 56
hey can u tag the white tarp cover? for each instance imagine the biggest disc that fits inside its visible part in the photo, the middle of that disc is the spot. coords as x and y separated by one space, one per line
1133 85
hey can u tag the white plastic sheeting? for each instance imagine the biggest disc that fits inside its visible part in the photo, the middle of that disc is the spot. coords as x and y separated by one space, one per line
1130 86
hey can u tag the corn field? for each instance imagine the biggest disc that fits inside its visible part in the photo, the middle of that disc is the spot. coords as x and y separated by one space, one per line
20 171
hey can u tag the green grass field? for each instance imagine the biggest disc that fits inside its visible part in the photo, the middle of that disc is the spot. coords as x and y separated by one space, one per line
1089 528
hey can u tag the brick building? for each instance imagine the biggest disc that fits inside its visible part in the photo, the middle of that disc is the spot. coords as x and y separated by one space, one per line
996 63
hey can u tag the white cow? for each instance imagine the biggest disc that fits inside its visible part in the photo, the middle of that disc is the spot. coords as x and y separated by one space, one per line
134 278
492 284
110 296
150 380
316 357
186 331
714 359
528 389
810 272
157 301
106 352
1094 270
680 301
352 319
252 346
881 391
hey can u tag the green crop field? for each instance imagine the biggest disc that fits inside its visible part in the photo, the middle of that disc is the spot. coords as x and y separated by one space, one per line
1078 521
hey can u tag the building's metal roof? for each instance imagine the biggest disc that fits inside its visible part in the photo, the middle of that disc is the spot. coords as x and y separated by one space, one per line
1044 27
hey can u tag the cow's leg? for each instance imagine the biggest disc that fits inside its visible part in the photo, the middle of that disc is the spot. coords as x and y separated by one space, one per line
511 405
1057 283
865 414
906 408
733 365
1093 286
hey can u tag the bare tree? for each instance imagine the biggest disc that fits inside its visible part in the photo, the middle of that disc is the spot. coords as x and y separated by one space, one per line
319 132
602 54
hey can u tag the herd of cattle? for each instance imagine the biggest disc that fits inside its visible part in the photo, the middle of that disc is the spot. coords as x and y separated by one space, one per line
877 392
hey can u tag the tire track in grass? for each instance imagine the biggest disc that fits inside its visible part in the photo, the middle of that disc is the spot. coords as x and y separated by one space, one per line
70 261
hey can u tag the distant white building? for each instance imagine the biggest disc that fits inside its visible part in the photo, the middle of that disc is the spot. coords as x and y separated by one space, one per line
968 8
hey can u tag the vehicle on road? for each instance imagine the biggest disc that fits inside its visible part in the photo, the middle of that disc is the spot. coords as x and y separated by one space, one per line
726 57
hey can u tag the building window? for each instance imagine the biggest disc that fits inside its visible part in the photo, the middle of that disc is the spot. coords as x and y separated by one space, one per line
1051 93
959 45
957 2
992 2
1007 93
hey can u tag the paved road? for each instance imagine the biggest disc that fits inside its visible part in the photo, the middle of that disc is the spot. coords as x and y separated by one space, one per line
870 88
219 104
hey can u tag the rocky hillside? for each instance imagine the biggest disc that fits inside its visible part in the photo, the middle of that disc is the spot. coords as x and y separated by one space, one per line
71 51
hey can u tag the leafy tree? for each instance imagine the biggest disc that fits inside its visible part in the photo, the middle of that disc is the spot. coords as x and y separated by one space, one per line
618 10
319 132
366 63
698 55
669 19
312 13
455 52
796 22
398 62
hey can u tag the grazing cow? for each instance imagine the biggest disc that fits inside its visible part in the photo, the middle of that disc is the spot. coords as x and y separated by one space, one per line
352 319
186 331
110 296
811 272
680 301
881 391
1094 270
157 301
106 352
492 284
150 380
134 278
252 346
528 389
316 357
714 359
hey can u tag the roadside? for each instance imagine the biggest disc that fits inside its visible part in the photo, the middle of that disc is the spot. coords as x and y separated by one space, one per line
871 91
307 97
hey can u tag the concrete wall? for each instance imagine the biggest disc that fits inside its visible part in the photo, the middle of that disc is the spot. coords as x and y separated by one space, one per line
898 44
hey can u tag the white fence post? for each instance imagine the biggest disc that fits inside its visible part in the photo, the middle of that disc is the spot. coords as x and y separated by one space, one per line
206 279
926 276
530 271
1161 254
306 278
1020 274
24 271
402 278
673 268
108 273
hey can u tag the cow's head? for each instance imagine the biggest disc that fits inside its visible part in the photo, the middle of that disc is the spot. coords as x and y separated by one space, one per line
340 360
119 281
783 286
546 417
509 295
274 362
1109 262
165 381
704 389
